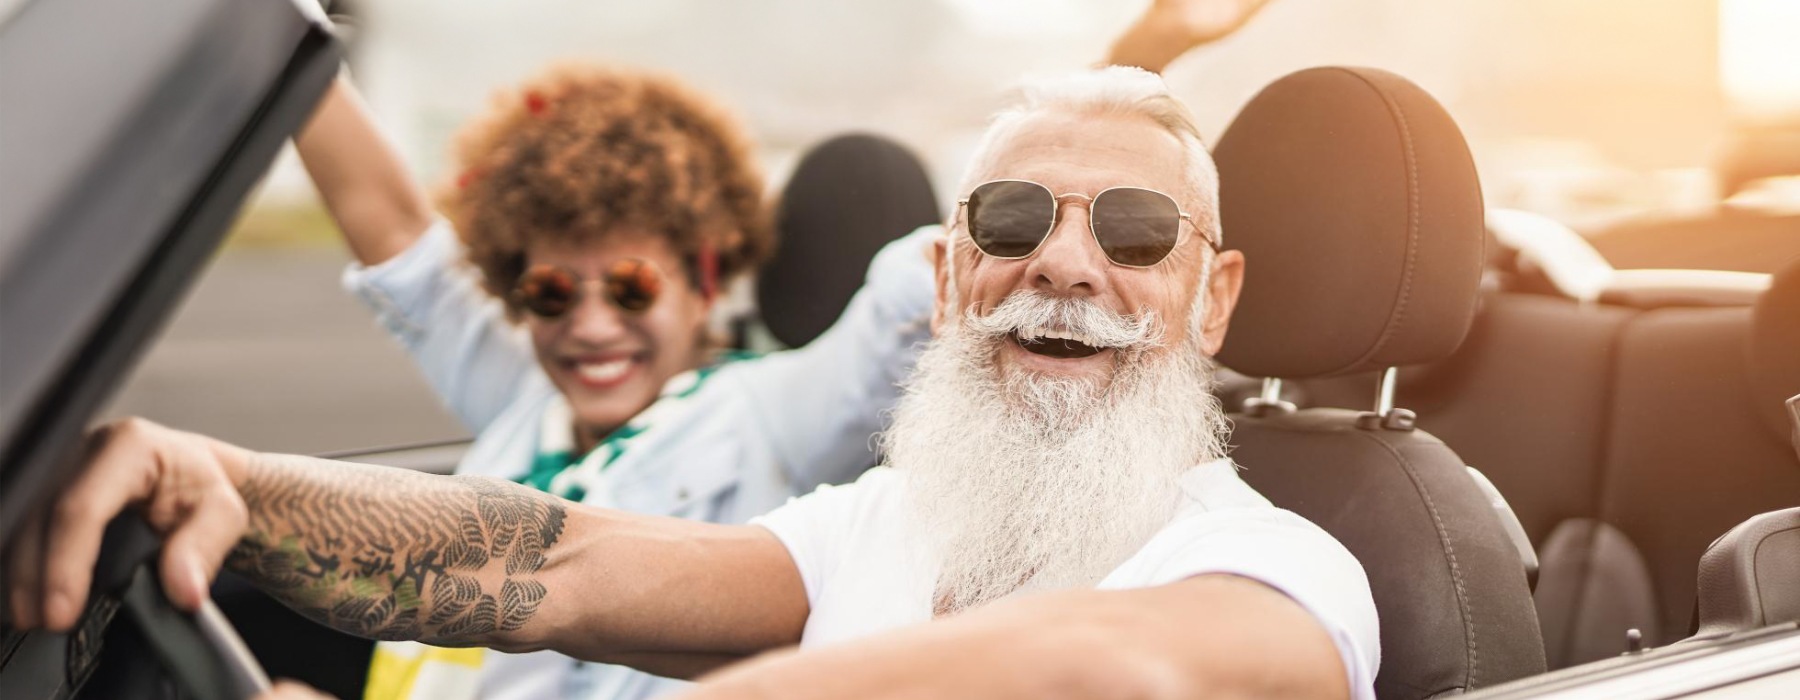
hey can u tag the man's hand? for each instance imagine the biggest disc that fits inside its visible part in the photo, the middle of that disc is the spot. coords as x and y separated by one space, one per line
1171 28
398 555
183 484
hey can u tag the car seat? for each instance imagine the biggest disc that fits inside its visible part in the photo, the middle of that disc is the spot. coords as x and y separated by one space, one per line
848 197
1355 201
1629 424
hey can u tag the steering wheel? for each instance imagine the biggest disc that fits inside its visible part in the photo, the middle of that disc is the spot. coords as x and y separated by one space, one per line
200 652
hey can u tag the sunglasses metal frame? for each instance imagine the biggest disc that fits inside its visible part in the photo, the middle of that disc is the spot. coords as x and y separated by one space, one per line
1056 214
584 285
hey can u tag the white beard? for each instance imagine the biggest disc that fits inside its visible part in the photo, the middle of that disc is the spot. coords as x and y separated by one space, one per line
1029 482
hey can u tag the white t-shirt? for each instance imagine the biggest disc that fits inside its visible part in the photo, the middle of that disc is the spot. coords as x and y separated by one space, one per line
865 569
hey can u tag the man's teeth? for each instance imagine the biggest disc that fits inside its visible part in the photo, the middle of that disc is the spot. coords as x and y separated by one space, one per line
1036 335
603 371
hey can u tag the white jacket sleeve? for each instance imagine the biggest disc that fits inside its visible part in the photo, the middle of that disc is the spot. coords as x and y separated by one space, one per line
456 332
826 400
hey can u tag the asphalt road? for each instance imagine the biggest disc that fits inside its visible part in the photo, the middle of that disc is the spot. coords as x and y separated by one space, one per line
269 352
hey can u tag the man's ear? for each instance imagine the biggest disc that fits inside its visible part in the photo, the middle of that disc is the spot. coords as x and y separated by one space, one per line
939 252
1223 286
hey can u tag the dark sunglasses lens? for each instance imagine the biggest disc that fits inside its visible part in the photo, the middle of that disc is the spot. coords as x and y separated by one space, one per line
633 284
1136 227
547 291
1009 219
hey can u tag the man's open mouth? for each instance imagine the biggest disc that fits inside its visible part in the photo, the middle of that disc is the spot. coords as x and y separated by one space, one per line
1062 345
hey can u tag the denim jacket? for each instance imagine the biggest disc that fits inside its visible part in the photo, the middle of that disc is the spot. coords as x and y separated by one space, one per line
758 432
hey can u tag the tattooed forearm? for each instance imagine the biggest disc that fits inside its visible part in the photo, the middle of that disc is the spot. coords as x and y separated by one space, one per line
397 555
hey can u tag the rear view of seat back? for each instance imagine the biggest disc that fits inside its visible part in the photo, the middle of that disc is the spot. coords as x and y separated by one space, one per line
1353 198
1696 442
1625 438
1494 398
848 197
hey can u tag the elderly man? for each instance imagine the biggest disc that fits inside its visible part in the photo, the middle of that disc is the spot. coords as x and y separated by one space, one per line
1057 517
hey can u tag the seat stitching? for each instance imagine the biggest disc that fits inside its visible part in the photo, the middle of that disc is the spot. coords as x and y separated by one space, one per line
1398 314
1585 572
1597 505
1456 577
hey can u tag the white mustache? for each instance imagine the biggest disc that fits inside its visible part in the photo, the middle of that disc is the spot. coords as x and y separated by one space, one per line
1028 312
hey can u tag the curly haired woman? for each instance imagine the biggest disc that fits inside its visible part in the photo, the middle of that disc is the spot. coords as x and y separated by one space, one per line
599 212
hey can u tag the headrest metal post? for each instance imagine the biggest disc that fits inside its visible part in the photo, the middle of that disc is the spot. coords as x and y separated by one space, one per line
1793 407
1385 416
1270 400
1384 392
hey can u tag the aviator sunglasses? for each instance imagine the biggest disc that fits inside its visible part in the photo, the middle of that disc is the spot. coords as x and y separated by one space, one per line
1134 226
550 291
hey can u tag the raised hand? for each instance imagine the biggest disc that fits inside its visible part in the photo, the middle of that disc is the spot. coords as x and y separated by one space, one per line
1203 21
1171 28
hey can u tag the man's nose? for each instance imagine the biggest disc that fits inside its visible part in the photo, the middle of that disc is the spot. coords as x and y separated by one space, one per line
1069 262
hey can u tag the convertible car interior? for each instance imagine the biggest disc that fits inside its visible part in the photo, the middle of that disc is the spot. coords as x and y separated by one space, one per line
1561 475
1642 423
1630 418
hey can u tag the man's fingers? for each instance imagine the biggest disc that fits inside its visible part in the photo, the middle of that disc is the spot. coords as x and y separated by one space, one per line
25 572
193 554
120 472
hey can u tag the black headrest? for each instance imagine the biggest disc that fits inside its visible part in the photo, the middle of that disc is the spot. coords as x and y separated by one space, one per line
848 197
1775 347
1355 201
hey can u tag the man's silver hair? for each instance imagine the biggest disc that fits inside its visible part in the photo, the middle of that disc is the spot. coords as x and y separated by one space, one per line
1114 91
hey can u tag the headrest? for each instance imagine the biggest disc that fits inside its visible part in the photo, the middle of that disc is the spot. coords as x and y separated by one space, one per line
1756 153
847 198
1775 347
1354 199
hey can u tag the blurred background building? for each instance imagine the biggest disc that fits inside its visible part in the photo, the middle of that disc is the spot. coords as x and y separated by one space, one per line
1591 111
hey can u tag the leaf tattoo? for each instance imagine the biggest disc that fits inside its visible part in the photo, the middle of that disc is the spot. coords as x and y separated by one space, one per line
396 555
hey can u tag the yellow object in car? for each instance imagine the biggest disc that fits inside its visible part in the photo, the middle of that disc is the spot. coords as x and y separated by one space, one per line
413 670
